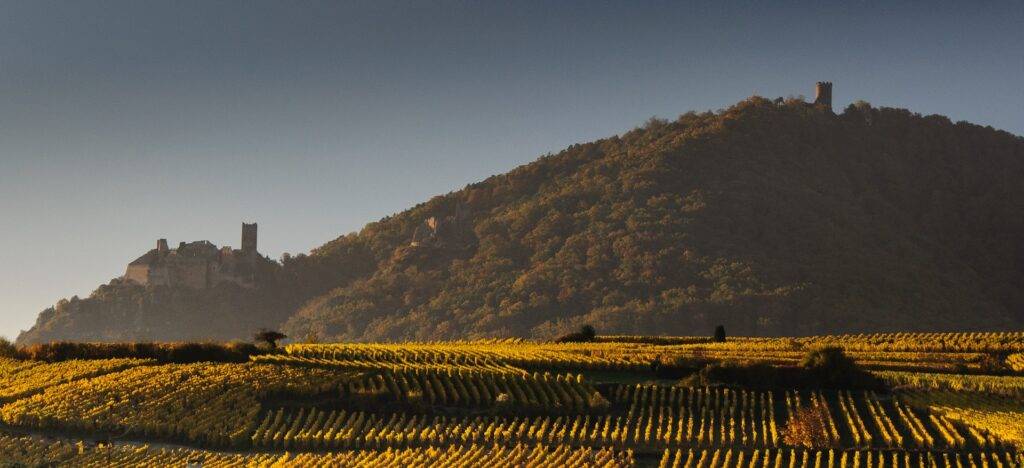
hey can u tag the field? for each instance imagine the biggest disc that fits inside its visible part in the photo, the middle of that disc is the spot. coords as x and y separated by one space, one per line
950 400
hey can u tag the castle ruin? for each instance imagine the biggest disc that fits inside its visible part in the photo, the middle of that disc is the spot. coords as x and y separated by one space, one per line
823 94
198 264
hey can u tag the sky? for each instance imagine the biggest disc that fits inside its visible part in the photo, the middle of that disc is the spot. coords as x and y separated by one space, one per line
126 121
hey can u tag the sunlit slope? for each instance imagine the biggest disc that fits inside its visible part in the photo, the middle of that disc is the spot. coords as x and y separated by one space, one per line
519 402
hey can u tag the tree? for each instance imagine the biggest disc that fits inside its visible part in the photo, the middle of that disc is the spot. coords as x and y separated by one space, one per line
7 349
270 337
719 334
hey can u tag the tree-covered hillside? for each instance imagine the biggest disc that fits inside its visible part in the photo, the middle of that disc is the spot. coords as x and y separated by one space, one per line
769 217
124 311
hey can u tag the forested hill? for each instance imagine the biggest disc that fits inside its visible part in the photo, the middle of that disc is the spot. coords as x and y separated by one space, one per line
768 217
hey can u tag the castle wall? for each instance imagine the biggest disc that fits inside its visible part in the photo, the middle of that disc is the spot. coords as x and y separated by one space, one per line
159 276
138 274
218 278
234 267
197 265
190 273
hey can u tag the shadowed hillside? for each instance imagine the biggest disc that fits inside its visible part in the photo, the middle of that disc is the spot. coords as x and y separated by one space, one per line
768 217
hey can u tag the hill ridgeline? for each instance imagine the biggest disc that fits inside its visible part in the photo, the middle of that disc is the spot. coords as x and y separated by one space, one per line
769 217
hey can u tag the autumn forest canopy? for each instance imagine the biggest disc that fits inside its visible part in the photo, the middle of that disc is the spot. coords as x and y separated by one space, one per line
769 217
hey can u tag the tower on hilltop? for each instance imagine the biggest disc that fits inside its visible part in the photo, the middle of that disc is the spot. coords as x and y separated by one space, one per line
823 94
248 238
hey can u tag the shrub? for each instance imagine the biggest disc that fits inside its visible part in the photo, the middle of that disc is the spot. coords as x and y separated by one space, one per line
754 375
585 335
831 357
312 337
503 400
598 401
719 334
162 352
993 364
808 428
821 368
831 368
676 366
7 349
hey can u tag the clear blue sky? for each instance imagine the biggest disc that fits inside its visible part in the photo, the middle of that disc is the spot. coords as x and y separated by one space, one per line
122 122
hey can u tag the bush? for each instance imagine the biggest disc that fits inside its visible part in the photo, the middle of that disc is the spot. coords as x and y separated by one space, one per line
719 334
7 349
585 335
808 428
831 357
503 401
821 368
180 353
676 366
994 364
597 401
830 367
753 375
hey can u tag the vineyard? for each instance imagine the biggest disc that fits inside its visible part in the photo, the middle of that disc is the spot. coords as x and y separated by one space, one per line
29 451
949 400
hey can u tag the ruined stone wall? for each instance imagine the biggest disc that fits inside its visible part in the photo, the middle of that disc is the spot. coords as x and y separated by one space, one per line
198 265
159 276
138 274
192 273
232 267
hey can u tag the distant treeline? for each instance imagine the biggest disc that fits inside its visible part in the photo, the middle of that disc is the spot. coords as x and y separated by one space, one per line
161 352
653 339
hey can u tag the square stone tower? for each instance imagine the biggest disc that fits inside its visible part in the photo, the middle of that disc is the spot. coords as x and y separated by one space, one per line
249 239
823 94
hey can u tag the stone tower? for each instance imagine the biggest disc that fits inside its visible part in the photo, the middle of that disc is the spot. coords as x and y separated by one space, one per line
161 246
823 94
249 239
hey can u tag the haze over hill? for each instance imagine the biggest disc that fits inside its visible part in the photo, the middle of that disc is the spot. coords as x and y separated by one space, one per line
769 217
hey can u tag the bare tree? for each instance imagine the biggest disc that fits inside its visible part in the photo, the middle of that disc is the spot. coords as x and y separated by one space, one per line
270 337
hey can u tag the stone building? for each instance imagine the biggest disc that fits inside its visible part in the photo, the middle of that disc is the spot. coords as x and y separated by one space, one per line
197 264
823 94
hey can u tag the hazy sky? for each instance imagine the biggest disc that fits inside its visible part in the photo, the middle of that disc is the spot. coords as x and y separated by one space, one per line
122 122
